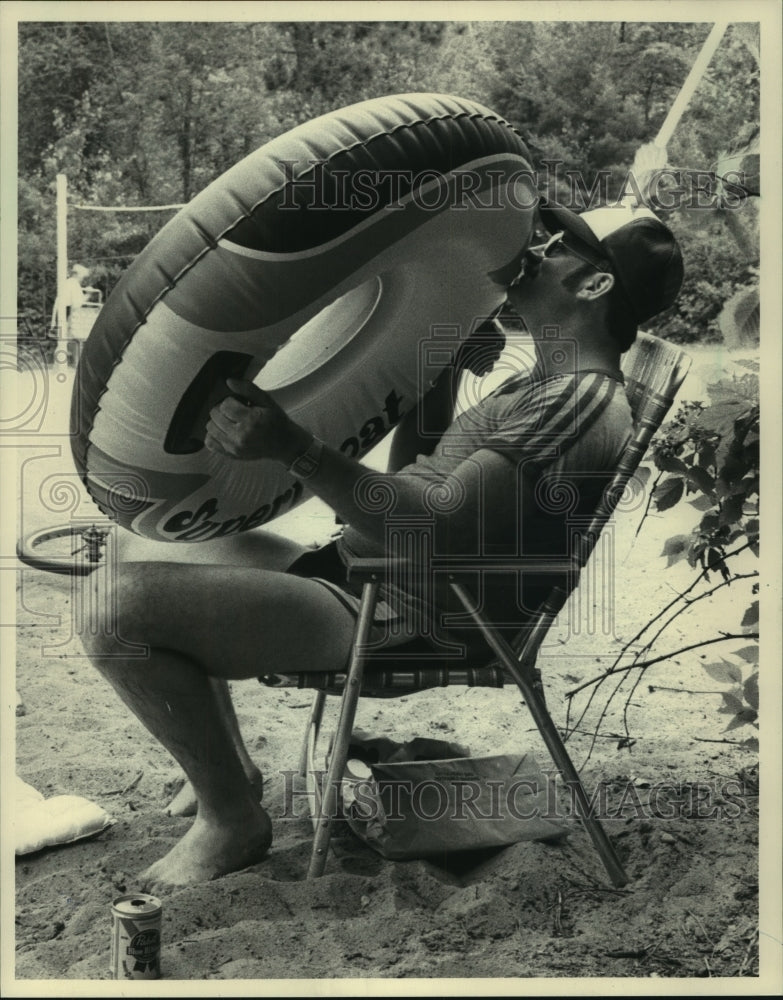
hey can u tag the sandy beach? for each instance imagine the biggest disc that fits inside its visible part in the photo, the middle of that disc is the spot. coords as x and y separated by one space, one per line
531 910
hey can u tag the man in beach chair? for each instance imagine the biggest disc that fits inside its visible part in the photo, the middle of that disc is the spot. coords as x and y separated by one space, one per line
582 296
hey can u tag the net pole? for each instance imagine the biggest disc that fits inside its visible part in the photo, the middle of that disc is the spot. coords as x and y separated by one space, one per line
692 81
652 156
61 354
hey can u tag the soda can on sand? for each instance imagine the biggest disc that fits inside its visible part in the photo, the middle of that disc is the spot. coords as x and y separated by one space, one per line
135 937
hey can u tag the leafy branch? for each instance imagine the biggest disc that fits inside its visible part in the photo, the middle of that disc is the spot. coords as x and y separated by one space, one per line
708 456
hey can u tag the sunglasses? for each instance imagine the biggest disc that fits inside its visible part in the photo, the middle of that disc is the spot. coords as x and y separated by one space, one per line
556 247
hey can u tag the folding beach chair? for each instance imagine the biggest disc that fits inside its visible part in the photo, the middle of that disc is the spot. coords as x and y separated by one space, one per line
654 371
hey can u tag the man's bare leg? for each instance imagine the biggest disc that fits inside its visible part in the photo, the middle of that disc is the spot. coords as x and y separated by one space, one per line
198 623
184 802
260 549
174 700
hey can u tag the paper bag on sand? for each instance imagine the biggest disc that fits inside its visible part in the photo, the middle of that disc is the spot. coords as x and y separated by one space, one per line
419 808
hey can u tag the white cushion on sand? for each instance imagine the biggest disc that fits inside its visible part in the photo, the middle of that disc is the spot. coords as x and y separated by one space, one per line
40 822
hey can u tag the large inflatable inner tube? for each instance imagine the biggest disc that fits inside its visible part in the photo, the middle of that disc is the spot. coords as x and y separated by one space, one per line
338 266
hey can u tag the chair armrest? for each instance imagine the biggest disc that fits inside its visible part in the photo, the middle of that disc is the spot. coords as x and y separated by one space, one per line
380 567
369 568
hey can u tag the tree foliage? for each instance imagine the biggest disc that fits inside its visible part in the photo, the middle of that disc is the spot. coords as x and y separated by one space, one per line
708 456
149 113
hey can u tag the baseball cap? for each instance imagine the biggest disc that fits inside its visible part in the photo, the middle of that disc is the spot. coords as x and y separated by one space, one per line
639 250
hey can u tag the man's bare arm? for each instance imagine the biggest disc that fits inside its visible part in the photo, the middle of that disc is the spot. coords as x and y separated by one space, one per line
360 496
422 427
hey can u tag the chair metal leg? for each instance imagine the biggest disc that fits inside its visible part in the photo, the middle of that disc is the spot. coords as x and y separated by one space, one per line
551 737
312 730
308 769
339 757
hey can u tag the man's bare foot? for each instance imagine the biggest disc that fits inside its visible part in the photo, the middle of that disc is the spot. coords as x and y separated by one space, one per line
209 850
184 802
